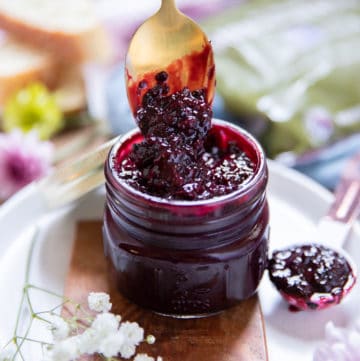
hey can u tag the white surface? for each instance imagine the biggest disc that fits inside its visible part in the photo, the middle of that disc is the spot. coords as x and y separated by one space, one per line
295 204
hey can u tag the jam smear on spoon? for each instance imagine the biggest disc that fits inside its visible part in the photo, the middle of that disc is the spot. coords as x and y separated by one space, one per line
195 70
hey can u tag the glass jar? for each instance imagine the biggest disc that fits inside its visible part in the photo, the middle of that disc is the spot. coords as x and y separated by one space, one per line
187 258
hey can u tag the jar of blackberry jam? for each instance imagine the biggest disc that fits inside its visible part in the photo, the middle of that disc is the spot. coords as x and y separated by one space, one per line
188 257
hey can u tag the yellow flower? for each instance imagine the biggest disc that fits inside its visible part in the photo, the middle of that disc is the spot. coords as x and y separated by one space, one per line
33 108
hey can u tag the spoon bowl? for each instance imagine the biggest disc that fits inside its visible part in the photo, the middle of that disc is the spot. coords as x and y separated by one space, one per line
318 275
312 276
169 41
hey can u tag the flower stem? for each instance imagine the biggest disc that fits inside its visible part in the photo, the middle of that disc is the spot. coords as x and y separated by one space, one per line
27 275
18 346
24 298
33 340
46 291
36 315
52 309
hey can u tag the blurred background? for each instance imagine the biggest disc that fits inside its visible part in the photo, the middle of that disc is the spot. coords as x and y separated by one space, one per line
288 71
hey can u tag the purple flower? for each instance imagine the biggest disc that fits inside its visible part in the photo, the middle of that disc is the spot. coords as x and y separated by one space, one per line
23 159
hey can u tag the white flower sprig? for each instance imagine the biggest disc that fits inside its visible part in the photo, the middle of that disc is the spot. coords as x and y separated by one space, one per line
99 302
101 332
106 335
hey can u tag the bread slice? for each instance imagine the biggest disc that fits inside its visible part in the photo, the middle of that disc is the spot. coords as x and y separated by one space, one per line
70 92
21 65
69 29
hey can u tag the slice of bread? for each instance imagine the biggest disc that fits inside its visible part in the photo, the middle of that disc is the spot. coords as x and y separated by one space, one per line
21 65
69 29
70 92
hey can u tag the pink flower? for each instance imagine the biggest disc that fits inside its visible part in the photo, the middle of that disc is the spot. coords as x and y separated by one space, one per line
23 159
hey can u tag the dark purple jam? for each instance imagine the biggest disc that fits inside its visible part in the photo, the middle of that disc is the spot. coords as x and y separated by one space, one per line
301 272
187 258
180 158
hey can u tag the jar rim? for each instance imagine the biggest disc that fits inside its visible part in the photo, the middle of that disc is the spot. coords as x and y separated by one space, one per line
159 201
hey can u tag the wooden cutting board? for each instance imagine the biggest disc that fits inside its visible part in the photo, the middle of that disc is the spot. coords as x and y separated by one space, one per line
234 335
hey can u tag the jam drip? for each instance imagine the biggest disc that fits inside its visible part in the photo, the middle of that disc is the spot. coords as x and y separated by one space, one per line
302 271
180 158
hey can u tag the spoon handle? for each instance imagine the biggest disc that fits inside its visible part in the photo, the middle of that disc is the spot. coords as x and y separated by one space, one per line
335 228
168 4
346 207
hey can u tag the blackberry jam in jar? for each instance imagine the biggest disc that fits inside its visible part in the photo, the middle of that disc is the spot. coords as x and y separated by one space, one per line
188 257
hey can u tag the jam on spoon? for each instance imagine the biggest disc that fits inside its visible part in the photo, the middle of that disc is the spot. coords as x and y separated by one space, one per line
180 156
314 276
311 276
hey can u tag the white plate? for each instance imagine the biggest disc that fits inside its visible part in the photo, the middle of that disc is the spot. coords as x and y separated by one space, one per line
296 203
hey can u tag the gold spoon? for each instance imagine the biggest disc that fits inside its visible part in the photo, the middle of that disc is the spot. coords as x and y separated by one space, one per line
169 41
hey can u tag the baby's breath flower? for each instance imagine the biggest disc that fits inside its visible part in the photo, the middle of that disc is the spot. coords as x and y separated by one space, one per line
66 350
106 323
111 345
59 328
127 350
89 341
33 108
133 335
145 357
132 332
99 302
105 336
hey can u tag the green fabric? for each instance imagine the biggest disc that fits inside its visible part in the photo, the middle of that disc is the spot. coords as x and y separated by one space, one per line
284 59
